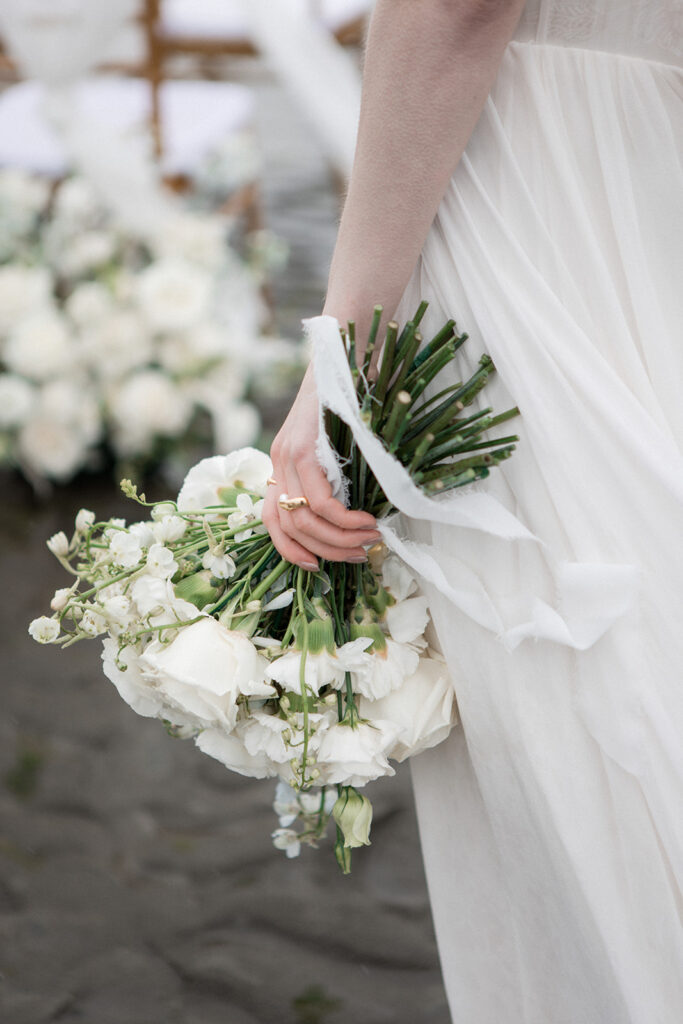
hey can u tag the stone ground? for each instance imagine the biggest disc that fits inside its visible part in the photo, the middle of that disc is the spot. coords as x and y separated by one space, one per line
138 884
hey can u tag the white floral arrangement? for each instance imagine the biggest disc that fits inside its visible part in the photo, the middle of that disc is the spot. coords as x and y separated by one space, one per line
109 339
320 679
206 628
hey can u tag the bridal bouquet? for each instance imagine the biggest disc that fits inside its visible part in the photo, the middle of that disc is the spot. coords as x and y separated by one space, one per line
319 679
108 338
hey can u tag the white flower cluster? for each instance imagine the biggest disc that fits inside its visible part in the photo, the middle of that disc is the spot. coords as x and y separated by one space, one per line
106 337
249 666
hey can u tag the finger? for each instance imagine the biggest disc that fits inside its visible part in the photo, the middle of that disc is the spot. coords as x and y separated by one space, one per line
287 546
318 490
291 525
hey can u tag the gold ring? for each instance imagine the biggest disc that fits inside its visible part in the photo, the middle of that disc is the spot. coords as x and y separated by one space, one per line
271 480
290 504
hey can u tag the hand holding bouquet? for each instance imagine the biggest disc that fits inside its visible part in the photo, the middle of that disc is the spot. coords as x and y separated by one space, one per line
317 678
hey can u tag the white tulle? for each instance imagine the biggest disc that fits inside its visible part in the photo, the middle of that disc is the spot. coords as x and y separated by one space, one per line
551 822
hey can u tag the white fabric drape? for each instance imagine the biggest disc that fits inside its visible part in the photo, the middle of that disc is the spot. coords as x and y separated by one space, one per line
551 823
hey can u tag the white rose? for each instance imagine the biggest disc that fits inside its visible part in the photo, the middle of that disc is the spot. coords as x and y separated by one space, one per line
17 400
89 303
116 345
72 403
44 630
134 689
193 350
39 346
52 449
76 200
86 251
355 756
198 239
204 670
230 751
246 468
174 295
423 708
235 424
23 290
145 406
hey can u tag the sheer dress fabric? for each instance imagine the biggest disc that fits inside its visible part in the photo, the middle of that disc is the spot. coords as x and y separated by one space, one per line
551 820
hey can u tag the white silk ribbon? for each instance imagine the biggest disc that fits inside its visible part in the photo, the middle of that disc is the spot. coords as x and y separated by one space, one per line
590 597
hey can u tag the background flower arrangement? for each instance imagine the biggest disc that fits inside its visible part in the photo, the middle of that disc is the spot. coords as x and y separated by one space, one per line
113 341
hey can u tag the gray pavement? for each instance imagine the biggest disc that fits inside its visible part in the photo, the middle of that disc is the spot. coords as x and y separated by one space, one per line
138 884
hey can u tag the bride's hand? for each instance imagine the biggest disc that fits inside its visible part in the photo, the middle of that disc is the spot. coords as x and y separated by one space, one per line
325 528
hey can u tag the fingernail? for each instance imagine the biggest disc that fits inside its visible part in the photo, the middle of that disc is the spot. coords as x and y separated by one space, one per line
358 558
310 566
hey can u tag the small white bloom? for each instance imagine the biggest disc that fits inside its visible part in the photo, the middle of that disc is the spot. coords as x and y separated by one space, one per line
143 533
246 468
58 544
169 529
17 400
152 595
160 562
117 610
84 520
44 630
125 549
355 756
174 294
320 669
61 599
246 513
220 566
92 623
285 804
282 600
288 840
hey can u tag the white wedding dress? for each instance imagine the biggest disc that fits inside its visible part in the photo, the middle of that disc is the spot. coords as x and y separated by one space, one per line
552 820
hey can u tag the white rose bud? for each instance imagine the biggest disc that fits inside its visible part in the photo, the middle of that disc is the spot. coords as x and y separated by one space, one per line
353 813
58 544
44 630
84 520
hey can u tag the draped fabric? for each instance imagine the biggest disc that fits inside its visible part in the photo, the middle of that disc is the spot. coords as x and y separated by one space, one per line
551 821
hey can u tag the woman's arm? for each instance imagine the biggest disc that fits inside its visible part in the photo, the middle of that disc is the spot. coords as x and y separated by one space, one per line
429 67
